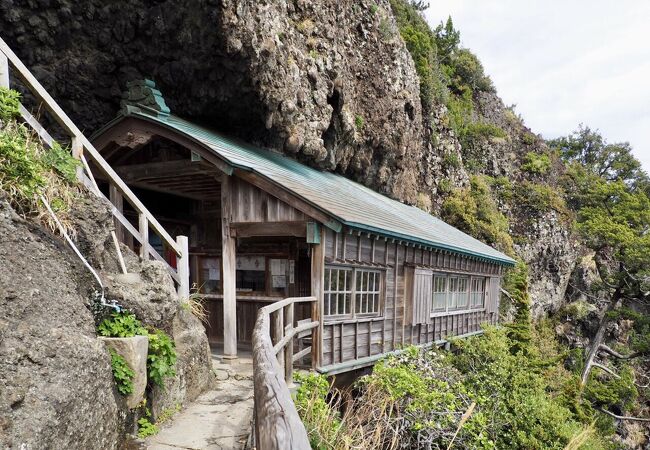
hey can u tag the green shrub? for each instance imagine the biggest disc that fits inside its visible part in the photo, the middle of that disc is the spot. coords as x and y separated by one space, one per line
542 198
358 122
520 329
29 171
536 163
146 428
604 390
122 373
421 44
474 211
451 161
121 324
528 138
9 105
322 421
161 358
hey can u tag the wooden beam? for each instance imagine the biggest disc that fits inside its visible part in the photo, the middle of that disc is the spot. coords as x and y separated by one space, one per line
250 229
289 198
229 267
317 280
4 71
184 167
144 126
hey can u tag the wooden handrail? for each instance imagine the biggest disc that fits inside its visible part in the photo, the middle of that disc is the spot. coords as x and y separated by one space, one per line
80 146
277 423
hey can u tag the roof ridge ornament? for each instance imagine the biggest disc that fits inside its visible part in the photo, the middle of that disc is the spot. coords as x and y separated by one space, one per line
144 94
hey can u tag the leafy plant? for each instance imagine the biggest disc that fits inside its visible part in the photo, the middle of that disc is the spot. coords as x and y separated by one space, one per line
474 210
358 122
145 427
161 358
30 172
121 324
122 373
536 163
9 104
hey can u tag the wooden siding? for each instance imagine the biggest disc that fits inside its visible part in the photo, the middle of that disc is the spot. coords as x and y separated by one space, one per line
348 339
252 204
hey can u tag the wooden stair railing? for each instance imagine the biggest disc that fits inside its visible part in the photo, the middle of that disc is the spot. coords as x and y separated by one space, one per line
83 149
277 424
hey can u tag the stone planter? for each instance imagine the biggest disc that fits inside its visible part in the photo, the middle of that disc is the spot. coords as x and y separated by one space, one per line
134 351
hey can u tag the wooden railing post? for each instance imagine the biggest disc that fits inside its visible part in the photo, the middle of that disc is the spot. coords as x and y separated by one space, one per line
143 228
4 71
288 351
183 267
278 333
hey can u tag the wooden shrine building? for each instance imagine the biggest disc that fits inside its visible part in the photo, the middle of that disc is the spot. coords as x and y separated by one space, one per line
263 227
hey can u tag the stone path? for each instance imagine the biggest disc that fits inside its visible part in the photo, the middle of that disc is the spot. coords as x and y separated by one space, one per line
217 420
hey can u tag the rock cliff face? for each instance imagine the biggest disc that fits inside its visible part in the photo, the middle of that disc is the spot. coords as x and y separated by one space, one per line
56 382
330 83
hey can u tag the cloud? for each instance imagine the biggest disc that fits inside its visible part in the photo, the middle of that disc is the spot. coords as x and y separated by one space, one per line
564 62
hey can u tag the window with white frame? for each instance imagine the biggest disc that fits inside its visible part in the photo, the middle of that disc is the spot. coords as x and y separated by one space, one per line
463 294
478 292
439 292
453 292
338 291
366 297
352 291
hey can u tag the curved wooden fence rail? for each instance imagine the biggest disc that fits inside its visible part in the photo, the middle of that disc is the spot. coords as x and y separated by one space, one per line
82 148
277 424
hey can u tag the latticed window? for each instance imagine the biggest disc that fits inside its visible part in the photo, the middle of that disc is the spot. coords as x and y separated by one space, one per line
338 291
439 292
352 291
453 292
366 298
478 292
463 295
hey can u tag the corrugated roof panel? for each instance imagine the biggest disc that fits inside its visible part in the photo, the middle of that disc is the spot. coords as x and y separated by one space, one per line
349 202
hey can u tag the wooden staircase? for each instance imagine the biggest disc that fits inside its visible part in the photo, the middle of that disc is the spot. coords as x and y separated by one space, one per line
83 150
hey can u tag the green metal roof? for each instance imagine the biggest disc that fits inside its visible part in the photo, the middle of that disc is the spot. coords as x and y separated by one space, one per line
346 201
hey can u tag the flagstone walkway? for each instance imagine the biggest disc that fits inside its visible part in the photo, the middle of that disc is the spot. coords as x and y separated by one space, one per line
217 420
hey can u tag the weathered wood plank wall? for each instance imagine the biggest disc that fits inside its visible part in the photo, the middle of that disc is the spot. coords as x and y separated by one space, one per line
348 339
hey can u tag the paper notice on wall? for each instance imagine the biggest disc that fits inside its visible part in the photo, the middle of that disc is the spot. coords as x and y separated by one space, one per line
278 267
279 281
292 271
257 263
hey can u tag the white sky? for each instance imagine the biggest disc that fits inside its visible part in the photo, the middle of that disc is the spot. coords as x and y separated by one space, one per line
564 62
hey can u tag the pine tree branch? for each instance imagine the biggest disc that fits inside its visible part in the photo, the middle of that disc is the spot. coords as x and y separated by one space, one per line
618 355
616 416
606 369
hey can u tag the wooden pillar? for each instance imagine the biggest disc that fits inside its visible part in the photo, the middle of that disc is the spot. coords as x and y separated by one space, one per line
317 280
183 267
4 71
229 266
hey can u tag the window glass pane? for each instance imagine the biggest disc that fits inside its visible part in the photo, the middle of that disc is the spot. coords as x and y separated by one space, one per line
463 296
439 292
367 291
452 298
338 289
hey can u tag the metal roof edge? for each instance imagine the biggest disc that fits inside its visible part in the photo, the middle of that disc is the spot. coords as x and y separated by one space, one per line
506 260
